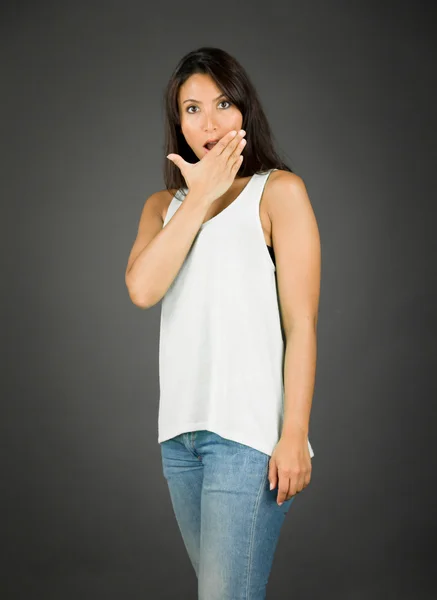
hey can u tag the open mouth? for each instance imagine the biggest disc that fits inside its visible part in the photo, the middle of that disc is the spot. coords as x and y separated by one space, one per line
209 146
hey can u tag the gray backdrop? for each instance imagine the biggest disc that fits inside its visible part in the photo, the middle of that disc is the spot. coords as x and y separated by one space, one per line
348 88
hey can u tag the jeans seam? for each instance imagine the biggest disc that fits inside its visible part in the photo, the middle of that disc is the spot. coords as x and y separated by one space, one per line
255 514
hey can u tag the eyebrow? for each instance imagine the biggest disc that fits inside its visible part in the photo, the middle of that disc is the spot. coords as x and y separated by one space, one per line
199 102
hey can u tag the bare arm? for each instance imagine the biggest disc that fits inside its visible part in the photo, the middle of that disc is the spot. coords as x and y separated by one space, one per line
158 253
296 239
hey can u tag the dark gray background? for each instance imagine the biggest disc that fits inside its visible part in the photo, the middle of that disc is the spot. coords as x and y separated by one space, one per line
349 90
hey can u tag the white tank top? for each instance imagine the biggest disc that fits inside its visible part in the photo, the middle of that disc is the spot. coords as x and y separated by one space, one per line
221 347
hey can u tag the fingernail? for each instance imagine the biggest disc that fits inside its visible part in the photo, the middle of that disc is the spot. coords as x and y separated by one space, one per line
272 486
279 503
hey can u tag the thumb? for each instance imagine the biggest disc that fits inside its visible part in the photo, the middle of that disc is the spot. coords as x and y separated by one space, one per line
177 160
272 474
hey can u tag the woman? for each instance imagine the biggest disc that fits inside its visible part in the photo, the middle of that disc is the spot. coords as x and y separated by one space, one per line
232 248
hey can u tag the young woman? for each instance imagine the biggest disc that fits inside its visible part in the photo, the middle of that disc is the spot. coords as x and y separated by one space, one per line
231 247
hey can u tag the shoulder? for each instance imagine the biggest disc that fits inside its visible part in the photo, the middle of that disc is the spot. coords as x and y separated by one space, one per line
283 188
162 200
284 180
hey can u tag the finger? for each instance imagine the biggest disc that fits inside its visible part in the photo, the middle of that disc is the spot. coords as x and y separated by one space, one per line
237 165
282 490
230 145
222 144
293 489
235 146
272 476
289 494
300 484
238 149
177 160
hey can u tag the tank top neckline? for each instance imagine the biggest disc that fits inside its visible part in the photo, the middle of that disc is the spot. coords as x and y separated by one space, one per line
212 219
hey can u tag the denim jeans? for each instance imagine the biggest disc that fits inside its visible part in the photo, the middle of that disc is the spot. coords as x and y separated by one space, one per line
228 518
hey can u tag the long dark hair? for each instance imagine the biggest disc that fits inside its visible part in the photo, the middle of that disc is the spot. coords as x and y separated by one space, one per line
232 80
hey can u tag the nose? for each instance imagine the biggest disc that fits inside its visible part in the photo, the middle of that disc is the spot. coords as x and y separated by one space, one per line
209 123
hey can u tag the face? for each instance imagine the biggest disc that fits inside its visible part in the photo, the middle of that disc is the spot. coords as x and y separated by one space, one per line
205 113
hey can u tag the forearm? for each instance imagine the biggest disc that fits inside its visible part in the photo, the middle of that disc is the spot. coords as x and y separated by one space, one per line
157 265
299 378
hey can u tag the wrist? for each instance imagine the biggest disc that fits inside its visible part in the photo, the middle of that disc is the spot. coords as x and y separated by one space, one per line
294 430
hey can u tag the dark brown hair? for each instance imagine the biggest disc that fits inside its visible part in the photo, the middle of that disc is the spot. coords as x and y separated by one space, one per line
232 80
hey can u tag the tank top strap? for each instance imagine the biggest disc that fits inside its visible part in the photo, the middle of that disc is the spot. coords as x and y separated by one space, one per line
261 180
257 184
256 187
173 206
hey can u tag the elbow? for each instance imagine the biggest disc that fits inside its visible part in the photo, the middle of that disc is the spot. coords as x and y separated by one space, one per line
140 302
138 297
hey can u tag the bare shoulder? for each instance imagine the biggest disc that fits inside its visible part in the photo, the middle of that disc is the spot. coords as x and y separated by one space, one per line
283 180
282 185
163 199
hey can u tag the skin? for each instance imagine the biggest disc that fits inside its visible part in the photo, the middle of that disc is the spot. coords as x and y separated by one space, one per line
296 240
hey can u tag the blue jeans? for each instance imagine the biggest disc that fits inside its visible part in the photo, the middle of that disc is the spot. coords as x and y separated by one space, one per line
229 519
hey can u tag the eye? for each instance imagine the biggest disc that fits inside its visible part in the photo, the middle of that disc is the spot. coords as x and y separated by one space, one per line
194 106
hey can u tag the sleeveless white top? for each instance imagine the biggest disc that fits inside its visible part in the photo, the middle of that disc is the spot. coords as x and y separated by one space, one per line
221 347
